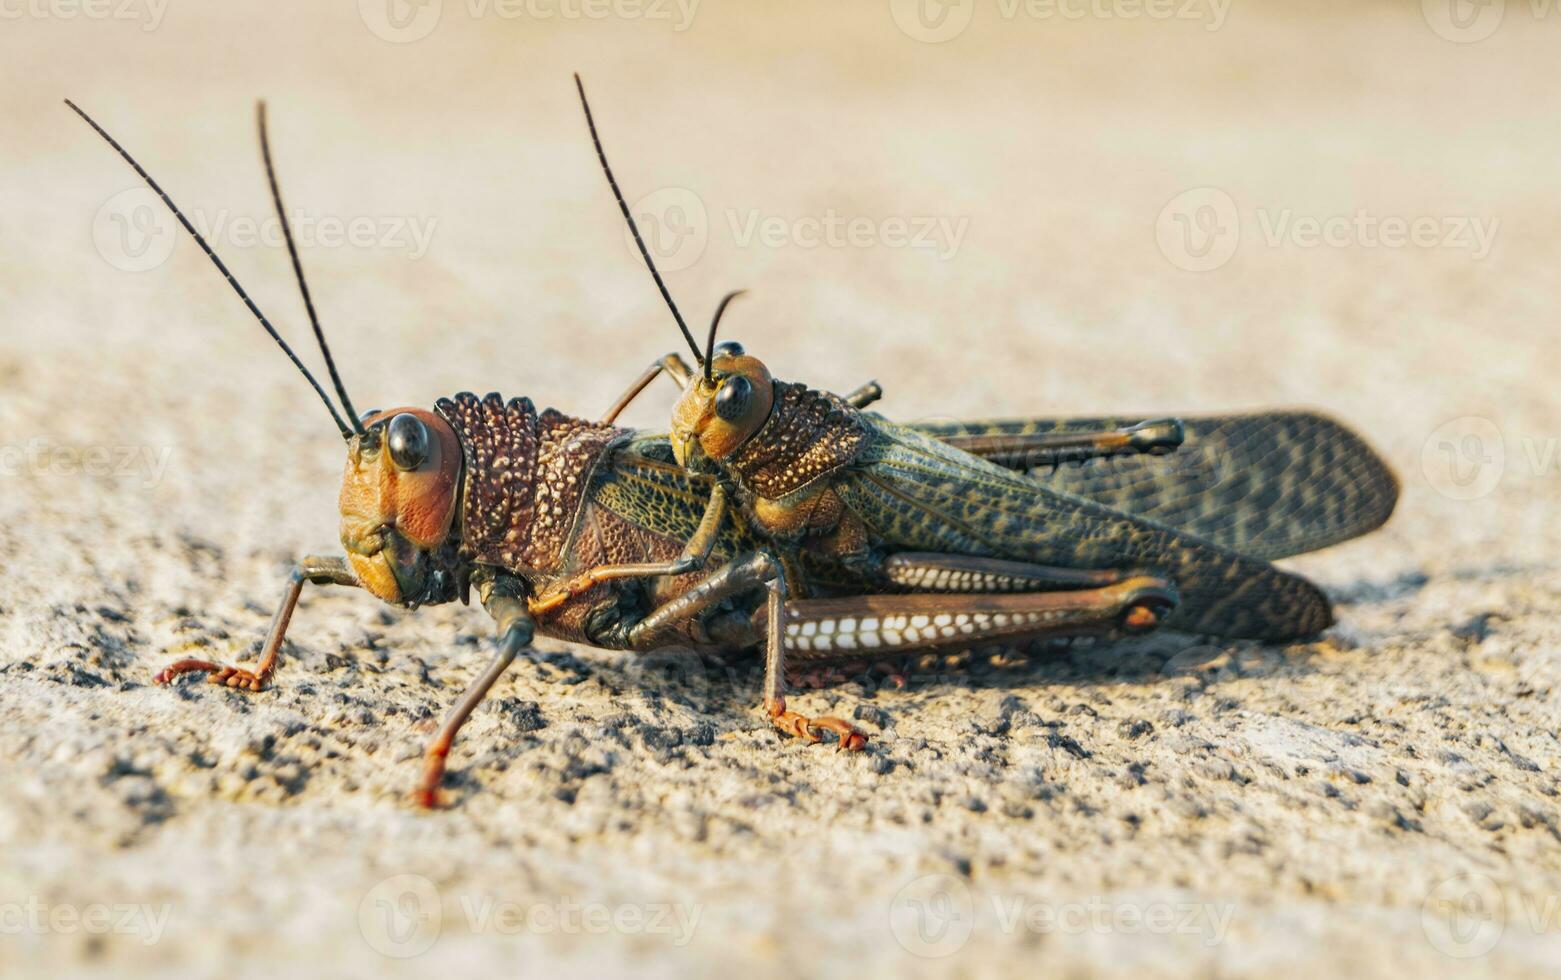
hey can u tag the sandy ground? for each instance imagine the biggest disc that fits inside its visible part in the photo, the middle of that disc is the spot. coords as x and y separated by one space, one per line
1349 207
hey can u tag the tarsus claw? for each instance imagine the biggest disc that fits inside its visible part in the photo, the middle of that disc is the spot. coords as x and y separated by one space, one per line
792 723
233 677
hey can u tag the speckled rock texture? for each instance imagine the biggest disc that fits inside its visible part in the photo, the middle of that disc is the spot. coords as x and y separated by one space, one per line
1380 802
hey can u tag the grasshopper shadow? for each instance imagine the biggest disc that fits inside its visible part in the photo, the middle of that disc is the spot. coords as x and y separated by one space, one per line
730 686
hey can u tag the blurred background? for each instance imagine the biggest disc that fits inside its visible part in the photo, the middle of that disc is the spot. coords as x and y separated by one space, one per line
994 207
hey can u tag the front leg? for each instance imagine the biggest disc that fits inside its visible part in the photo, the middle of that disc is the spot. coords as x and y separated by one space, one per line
672 365
316 569
693 557
515 630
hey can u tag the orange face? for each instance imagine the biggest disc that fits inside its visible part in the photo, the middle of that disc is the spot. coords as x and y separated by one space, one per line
715 417
398 499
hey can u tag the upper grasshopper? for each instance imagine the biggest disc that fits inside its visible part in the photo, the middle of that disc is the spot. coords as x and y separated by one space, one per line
883 507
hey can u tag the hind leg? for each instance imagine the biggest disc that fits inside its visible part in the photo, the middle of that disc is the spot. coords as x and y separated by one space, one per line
818 631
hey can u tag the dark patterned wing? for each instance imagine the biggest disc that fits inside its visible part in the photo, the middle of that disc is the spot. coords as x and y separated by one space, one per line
918 494
1267 484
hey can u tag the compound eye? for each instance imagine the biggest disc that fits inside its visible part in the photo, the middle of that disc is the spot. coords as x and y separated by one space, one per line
407 438
734 398
728 348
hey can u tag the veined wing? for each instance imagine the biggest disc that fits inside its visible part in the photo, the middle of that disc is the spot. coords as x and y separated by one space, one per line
1267 484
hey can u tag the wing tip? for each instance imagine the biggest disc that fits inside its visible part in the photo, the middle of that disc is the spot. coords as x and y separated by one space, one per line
1379 484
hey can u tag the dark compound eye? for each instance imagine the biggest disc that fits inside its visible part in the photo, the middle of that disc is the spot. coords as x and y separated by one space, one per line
408 441
733 398
728 348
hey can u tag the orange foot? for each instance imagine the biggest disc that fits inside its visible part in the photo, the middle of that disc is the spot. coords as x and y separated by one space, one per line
427 796
1146 615
234 677
792 723
894 673
426 799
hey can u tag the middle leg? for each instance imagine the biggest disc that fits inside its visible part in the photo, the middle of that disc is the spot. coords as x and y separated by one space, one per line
743 577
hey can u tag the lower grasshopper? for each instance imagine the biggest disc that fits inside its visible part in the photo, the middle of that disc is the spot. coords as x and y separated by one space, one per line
568 528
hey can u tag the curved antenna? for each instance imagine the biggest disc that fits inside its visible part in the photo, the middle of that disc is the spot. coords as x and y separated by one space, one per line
298 271
627 216
715 322
346 433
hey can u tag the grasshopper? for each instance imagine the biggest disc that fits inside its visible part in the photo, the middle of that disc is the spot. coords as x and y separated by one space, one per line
875 508
569 528
588 532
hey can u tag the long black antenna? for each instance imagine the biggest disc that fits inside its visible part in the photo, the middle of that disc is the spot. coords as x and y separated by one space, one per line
345 431
715 322
627 216
298 271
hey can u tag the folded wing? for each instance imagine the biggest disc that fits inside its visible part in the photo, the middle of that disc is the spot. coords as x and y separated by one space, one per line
1268 484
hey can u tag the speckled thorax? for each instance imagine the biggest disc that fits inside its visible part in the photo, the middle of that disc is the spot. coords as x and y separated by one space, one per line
808 435
527 477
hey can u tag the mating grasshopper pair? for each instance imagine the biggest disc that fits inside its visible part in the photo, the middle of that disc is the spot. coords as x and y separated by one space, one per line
779 517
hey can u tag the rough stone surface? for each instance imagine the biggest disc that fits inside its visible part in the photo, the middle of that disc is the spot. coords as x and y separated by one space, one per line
1380 802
